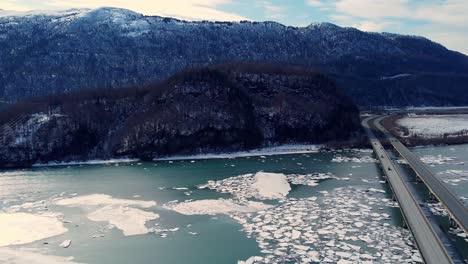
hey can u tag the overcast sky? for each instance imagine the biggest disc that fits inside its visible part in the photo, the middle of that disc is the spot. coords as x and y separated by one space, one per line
444 21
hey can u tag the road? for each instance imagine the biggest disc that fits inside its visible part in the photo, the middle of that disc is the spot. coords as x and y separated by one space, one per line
456 209
431 248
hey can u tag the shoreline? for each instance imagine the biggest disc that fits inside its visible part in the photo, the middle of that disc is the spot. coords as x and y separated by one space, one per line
266 151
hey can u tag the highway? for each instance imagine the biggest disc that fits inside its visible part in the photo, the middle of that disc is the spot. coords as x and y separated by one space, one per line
431 248
456 209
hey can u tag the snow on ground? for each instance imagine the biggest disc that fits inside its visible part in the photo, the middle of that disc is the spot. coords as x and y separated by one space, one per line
23 228
269 151
434 126
12 13
220 206
398 76
263 185
14 256
120 213
88 162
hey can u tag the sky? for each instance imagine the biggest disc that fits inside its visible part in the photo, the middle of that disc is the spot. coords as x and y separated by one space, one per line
444 21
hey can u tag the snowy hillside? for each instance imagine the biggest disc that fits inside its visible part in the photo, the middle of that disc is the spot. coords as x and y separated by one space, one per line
47 52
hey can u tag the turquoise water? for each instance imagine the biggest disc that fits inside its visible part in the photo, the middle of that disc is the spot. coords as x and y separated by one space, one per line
219 239
453 171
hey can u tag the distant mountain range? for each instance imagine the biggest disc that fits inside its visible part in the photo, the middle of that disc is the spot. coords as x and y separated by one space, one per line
43 53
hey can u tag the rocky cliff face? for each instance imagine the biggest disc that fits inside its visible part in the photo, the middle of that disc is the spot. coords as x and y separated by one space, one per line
211 109
113 48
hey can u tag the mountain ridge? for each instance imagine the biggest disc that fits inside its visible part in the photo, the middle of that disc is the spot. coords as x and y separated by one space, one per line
111 47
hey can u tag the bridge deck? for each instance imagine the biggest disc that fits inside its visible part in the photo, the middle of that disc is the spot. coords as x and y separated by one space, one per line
429 244
456 209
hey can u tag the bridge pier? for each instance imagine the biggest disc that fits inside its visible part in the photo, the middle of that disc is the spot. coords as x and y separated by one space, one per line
405 225
453 223
432 198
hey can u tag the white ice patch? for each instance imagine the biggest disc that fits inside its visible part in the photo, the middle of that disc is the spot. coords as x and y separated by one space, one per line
438 160
220 206
435 126
454 176
120 213
263 185
271 185
23 228
102 199
437 209
342 228
363 159
309 179
130 220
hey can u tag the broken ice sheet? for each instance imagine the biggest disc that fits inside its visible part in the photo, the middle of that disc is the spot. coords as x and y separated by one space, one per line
340 227
263 185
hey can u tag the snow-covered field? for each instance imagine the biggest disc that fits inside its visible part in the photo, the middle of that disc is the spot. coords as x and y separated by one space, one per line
434 126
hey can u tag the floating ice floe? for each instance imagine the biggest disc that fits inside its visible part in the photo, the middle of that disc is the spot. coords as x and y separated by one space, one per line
131 221
363 159
464 200
23 228
454 177
66 243
219 206
263 185
439 160
124 214
345 226
437 209
309 179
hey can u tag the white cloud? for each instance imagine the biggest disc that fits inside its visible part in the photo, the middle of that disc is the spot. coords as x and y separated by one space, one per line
372 26
453 40
316 3
445 21
13 5
184 9
273 11
372 9
450 12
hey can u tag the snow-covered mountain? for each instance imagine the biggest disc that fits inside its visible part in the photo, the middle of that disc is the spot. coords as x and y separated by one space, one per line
44 52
